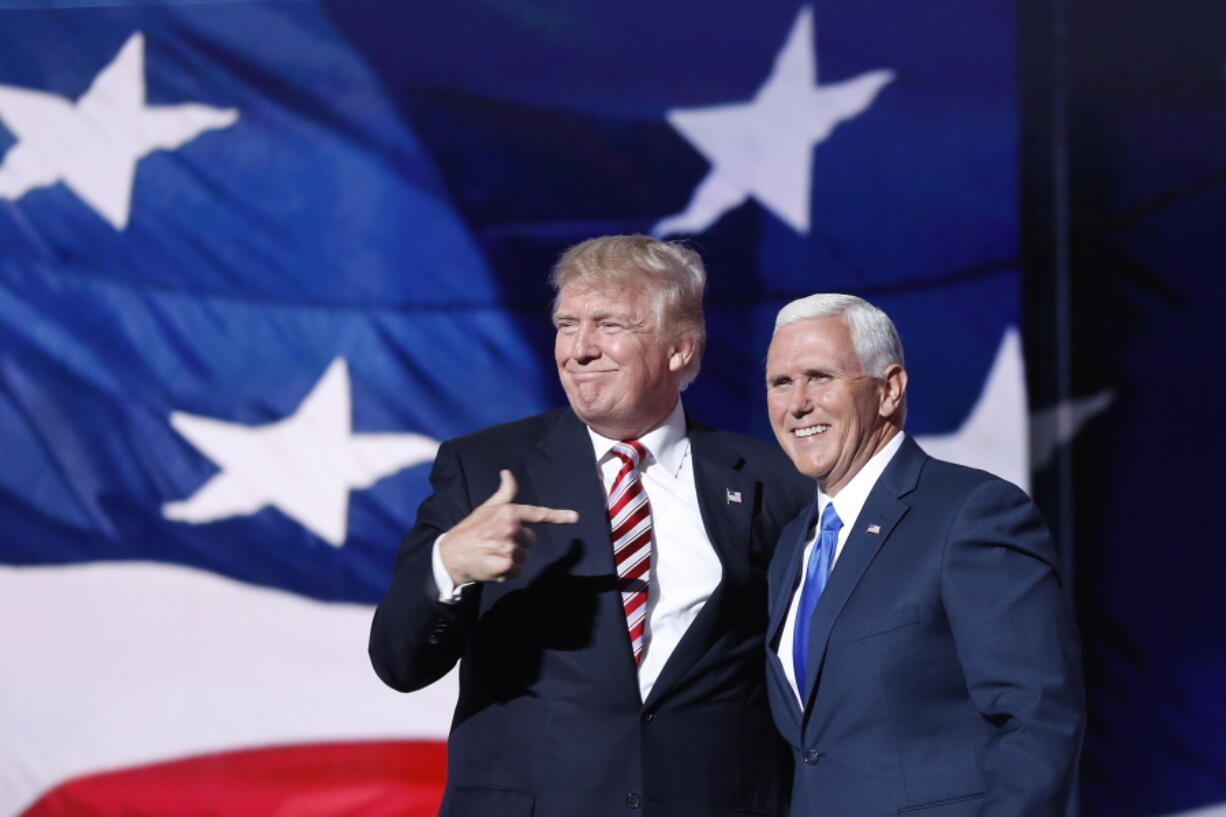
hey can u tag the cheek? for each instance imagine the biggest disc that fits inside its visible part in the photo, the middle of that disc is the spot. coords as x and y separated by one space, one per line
776 408
840 406
868 409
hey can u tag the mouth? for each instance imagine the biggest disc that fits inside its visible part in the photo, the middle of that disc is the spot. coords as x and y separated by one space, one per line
810 431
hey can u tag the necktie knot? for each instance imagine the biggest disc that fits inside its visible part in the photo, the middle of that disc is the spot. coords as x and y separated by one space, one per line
831 523
631 452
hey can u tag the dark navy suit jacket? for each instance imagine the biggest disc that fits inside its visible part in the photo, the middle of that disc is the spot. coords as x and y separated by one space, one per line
943 659
549 720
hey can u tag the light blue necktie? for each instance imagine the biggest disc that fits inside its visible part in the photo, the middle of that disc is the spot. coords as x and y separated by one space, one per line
815 582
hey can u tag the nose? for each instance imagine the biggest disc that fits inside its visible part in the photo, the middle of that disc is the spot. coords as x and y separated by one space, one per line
801 403
583 345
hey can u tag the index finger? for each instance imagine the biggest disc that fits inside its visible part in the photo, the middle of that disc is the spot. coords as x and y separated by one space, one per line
535 514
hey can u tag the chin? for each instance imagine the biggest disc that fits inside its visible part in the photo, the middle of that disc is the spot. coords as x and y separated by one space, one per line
590 416
811 470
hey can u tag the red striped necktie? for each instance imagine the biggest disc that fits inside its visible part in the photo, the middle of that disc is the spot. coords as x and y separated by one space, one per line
630 526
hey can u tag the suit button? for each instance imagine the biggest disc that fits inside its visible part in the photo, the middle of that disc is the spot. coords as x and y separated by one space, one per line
812 757
649 717
633 800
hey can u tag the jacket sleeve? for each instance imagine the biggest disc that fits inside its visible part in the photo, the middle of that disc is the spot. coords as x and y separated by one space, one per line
1013 630
415 639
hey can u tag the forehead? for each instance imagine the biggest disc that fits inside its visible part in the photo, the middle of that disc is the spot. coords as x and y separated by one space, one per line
813 343
579 298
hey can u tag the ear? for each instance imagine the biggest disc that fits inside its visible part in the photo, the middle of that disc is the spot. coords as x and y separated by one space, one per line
681 352
893 389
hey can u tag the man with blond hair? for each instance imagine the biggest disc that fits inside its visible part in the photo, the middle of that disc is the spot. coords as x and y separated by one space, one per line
598 571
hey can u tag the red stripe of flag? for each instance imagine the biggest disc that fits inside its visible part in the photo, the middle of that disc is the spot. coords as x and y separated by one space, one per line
370 779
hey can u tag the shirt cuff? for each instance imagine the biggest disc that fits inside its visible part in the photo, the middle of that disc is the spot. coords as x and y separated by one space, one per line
448 592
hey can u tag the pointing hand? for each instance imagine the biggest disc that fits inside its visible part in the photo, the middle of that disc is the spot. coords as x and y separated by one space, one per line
492 542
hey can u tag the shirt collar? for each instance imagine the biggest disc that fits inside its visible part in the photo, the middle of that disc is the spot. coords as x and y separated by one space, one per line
854 494
666 444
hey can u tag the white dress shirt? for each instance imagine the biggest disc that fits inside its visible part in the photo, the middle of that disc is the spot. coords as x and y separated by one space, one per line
685 569
848 503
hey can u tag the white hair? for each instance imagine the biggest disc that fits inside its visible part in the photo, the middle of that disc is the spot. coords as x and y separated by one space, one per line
873 335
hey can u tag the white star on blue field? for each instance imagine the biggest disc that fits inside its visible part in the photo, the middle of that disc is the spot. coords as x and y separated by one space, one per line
304 465
764 148
94 144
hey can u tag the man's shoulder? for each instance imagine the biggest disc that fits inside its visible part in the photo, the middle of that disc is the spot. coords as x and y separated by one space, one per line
513 432
957 480
766 460
749 447
962 498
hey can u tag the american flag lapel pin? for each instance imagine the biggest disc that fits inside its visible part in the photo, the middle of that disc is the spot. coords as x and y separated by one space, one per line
873 528
732 496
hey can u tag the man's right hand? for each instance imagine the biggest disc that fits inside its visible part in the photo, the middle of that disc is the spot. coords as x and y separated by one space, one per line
491 543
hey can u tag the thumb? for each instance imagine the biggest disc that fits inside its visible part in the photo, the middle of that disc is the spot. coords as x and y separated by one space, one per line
507 488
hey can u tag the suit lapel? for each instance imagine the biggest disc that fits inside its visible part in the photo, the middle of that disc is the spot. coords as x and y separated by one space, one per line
726 499
858 552
783 588
883 510
791 546
562 472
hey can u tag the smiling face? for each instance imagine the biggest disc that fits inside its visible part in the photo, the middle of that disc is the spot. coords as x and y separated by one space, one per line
829 416
621 376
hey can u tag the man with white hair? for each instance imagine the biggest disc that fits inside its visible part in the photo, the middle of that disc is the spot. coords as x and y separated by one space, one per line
922 654
610 656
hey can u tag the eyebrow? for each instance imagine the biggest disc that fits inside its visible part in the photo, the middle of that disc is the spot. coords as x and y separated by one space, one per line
816 372
599 316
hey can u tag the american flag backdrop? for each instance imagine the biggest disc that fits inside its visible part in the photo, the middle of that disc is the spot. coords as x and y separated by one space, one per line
257 259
